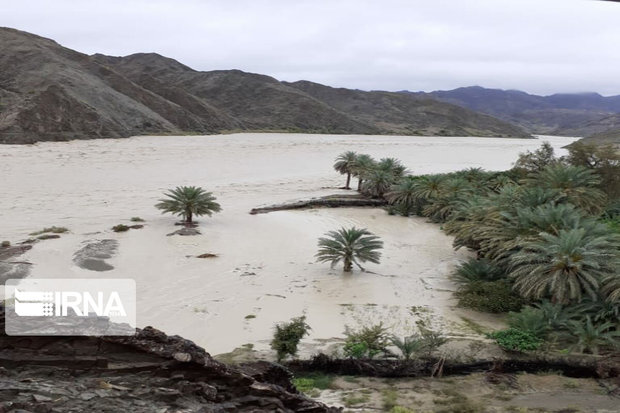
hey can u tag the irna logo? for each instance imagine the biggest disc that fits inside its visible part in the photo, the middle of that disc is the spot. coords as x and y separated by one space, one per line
62 306
58 303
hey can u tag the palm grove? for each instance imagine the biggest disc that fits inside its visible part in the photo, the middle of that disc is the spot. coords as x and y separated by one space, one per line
546 236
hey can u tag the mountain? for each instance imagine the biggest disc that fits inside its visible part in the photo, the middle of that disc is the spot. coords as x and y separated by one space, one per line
49 92
402 114
579 114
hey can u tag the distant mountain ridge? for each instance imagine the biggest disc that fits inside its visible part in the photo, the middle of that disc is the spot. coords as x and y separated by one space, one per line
49 92
579 114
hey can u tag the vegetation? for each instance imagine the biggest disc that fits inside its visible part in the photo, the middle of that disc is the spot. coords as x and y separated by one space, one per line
288 335
187 201
516 340
51 230
367 342
136 219
351 246
546 237
344 164
309 382
120 228
5 244
489 296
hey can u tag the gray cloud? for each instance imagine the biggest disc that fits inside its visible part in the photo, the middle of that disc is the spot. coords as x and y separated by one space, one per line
541 46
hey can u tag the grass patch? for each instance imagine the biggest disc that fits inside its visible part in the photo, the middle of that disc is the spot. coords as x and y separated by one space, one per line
475 327
5 244
52 230
136 219
456 402
390 397
250 316
48 236
355 399
489 296
351 379
313 381
120 228
400 409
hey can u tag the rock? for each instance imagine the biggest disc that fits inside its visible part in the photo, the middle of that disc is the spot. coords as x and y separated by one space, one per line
87 396
182 357
40 398
147 372
206 255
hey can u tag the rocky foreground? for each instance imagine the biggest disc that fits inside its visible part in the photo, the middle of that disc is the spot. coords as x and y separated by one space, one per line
149 372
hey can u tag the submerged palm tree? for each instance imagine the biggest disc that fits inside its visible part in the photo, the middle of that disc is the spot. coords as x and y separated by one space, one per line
352 246
344 164
564 266
403 193
361 167
377 183
187 201
393 166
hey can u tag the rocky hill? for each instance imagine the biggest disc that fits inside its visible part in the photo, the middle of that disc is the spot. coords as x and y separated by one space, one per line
408 115
579 114
148 372
49 92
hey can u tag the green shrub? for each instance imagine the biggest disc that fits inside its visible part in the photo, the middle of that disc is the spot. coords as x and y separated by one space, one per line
474 270
530 320
5 244
591 337
489 296
516 340
408 346
288 335
136 219
367 342
431 340
120 228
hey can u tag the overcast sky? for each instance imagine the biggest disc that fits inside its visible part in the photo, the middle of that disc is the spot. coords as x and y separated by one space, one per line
540 46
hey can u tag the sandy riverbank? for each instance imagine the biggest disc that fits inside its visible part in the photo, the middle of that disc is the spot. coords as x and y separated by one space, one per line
265 265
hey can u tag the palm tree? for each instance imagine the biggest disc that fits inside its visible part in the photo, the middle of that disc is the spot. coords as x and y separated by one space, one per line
575 184
351 246
377 183
428 187
474 270
344 164
611 287
403 193
408 346
564 266
393 166
361 167
591 337
187 201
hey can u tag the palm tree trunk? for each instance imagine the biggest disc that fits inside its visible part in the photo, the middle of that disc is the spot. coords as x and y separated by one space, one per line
348 264
188 216
348 181
359 185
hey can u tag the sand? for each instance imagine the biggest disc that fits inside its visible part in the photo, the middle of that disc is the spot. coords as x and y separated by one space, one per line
264 271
